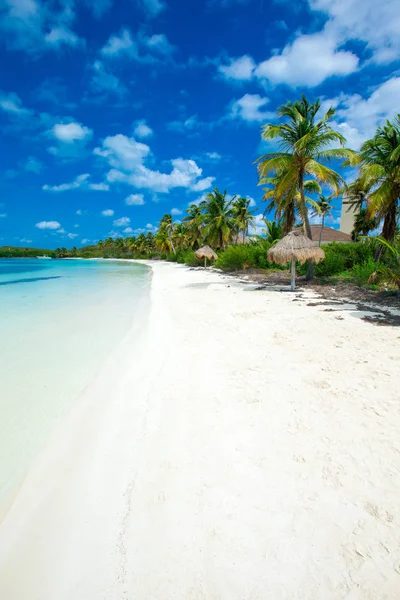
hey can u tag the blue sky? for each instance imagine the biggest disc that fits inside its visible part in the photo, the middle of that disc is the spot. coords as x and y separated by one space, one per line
114 112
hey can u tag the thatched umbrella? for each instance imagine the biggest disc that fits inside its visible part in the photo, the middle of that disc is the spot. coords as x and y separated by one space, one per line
295 246
206 252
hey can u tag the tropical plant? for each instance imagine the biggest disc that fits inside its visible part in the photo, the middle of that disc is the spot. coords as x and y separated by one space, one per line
380 173
180 236
322 208
306 146
273 231
286 204
167 224
194 223
363 224
243 216
163 241
219 222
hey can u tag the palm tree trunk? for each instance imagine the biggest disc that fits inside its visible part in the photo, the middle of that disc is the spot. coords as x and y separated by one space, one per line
388 229
306 223
322 228
293 276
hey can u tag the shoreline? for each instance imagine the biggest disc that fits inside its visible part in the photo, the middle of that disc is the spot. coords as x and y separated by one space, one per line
241 445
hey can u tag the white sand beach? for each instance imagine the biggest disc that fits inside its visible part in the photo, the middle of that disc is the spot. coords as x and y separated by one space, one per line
241 445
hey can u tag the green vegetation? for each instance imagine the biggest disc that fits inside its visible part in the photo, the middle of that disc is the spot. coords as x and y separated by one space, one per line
17 252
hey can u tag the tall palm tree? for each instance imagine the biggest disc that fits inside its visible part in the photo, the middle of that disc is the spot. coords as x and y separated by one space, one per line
218 218
305 142
167 224
323 207
380 173
243 216
180 236
194 222
149 243
163 241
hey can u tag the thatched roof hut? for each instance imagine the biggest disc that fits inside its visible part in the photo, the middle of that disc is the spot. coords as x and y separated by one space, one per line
295 247
206 252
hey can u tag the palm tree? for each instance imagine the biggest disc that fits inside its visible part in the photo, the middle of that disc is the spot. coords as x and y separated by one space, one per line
286 204
149 243
194 222
167 224
163 241
141 243
180 236
380 172
218 219
363 224
243 216
322 208
273 231
305 141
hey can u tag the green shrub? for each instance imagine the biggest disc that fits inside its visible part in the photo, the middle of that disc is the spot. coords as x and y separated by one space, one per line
245 256
362 274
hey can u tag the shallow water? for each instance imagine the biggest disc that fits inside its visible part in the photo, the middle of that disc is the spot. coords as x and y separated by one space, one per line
59 321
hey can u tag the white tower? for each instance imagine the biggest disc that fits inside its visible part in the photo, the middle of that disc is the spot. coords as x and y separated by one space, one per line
349 212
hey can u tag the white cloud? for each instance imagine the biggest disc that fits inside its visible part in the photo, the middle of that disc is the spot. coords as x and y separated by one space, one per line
142 130
32 26
48 225
71 132
238 69
159 43
308 61
3 215
104 81
79 212
71 140
134 200
72 236
12 103
126 156
375 23
99 187
85 241
127 230
25 241
64 187
118 45
213 156
107 213
176 211
121 222
358 117
185 173
250 108
62 35
82 181
122 152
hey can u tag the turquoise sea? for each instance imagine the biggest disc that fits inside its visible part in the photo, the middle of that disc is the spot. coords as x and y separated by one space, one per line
59 321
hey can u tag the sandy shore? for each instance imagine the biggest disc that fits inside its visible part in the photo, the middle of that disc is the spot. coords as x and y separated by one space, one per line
242 446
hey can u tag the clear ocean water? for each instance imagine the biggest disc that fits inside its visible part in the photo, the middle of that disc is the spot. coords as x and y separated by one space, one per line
59 321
